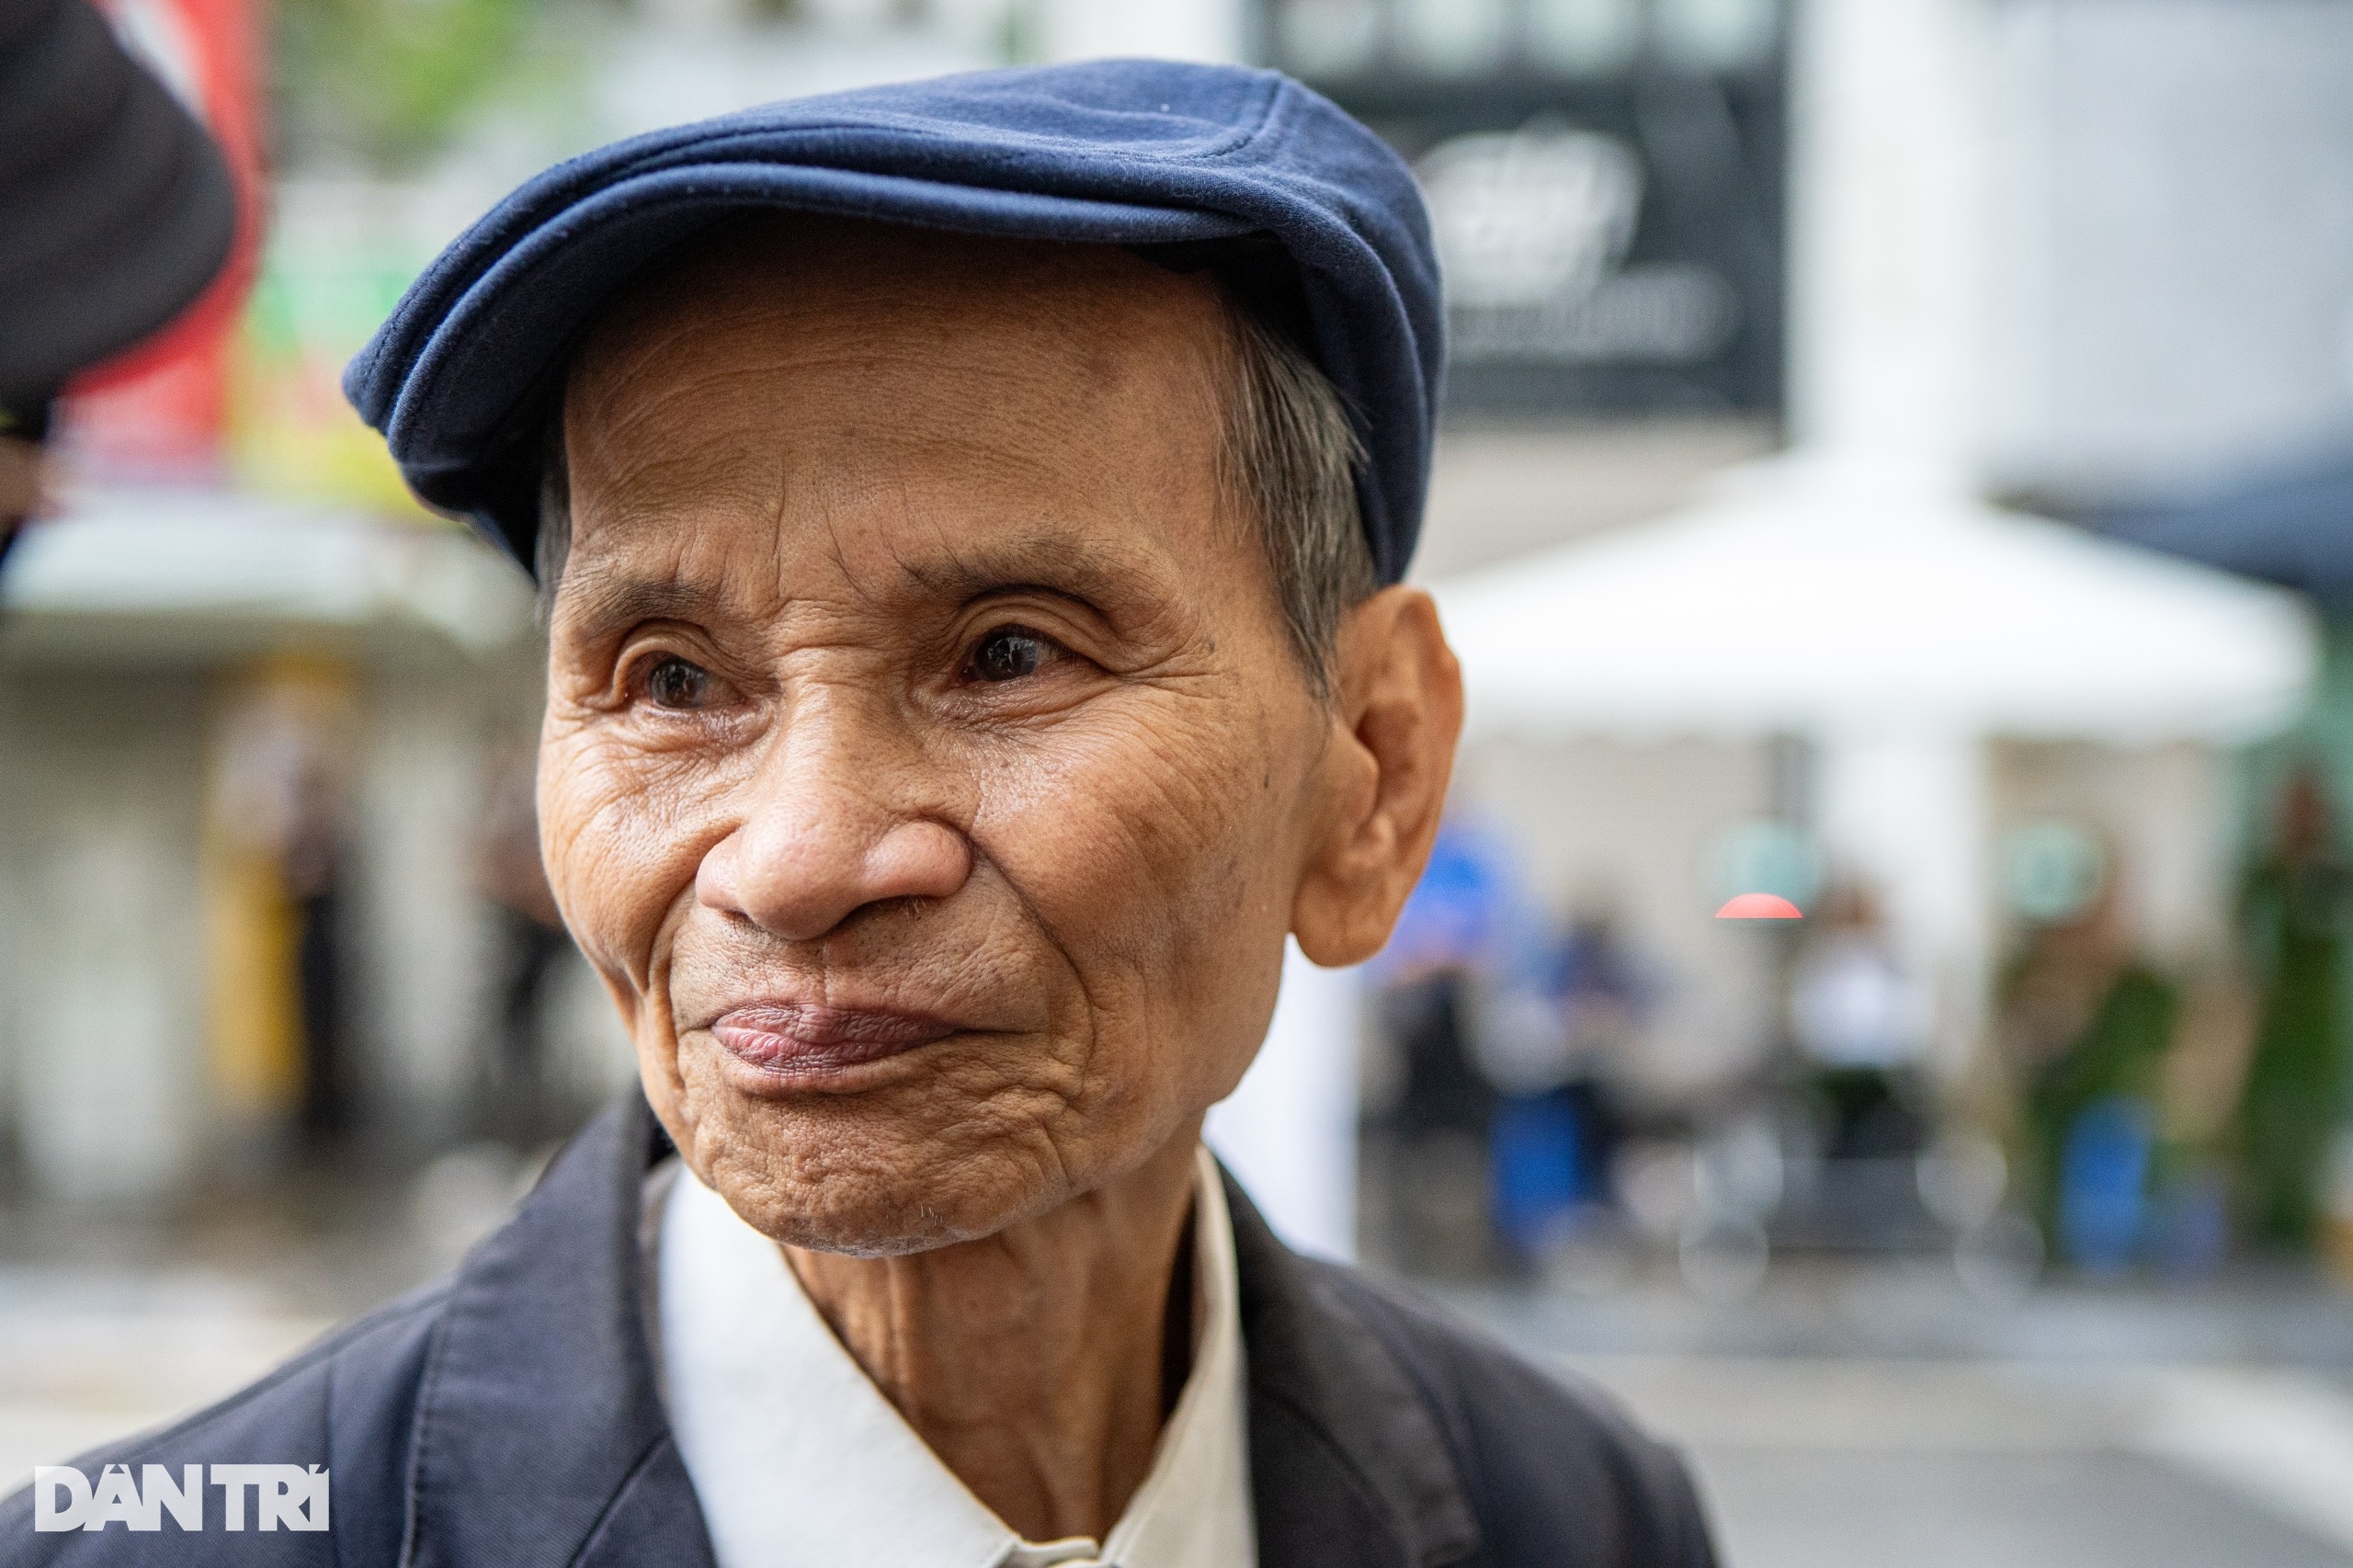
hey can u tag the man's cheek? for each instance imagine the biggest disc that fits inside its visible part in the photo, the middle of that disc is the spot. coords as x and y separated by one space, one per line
1141 795
620 868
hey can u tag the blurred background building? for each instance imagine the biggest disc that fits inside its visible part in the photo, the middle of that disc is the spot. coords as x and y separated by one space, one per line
1898 457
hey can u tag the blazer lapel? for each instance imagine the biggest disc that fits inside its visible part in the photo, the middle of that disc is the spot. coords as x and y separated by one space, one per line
540 1437
1347 1463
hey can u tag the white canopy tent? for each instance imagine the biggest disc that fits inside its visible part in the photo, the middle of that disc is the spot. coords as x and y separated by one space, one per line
1807 595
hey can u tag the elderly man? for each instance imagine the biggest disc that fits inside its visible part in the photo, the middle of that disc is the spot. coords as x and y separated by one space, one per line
970 515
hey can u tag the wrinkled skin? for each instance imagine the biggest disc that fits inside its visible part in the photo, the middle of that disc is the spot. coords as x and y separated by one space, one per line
913 679
826 480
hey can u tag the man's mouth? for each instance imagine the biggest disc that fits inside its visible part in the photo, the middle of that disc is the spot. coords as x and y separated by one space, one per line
799 1038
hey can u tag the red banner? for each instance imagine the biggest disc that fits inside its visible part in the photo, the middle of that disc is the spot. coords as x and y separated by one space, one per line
158 410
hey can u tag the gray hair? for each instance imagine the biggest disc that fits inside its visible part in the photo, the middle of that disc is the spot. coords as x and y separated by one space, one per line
1287 461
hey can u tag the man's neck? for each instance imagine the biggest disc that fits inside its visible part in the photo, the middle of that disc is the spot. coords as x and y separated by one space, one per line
1030 1361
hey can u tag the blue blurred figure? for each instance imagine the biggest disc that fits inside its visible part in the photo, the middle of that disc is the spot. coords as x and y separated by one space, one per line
1457 932
2104 1184
1558 1124
1449 934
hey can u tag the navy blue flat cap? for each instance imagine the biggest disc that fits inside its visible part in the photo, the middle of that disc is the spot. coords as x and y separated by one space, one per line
1128 151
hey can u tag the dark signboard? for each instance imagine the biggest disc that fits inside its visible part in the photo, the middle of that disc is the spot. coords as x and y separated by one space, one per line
1605 177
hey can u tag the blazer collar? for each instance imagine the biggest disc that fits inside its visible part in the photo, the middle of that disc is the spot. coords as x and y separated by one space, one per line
540 1438
1347 1463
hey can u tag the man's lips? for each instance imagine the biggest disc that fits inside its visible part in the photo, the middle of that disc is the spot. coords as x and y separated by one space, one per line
798 1037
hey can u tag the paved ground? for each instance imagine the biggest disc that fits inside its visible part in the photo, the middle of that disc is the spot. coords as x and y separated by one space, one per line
1842 1417
1867 1416
1778 1508
1935 1463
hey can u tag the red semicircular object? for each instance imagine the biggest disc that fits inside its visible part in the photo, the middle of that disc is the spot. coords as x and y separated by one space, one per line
1759 906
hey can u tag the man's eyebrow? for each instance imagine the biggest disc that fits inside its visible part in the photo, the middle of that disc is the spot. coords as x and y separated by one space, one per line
1051 564
602 599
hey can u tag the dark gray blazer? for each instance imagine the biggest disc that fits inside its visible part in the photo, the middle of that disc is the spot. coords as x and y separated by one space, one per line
508 1417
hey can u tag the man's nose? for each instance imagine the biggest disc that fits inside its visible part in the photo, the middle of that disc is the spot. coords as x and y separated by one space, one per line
834 820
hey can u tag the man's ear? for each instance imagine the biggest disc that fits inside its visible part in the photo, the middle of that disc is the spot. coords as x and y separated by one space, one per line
1398 714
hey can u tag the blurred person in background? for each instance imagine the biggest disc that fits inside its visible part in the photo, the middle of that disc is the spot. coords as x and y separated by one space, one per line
1860 1023
519 1100
2088 1025
1608 990
1560 1119
1428 1131
973 516
1437 1124
275 852
2294 911
312 864
116 211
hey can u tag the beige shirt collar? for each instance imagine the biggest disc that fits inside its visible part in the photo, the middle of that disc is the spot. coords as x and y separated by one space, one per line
799 1460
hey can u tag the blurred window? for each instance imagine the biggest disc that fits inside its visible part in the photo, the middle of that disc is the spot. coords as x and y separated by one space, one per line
1454 38
1583 38
1717 35
1328 37
2052 870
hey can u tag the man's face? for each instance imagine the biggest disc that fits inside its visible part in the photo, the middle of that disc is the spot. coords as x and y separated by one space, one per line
925 767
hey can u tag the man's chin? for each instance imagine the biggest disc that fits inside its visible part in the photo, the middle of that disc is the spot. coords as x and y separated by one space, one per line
885 1222
866 1192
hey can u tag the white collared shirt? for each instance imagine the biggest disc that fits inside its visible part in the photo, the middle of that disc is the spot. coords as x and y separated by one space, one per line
799 1461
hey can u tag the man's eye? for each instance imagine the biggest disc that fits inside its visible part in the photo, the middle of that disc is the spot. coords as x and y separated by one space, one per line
1008 654
674 683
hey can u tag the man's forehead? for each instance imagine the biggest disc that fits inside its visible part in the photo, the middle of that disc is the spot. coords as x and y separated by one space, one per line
853 412
867 488
788 350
